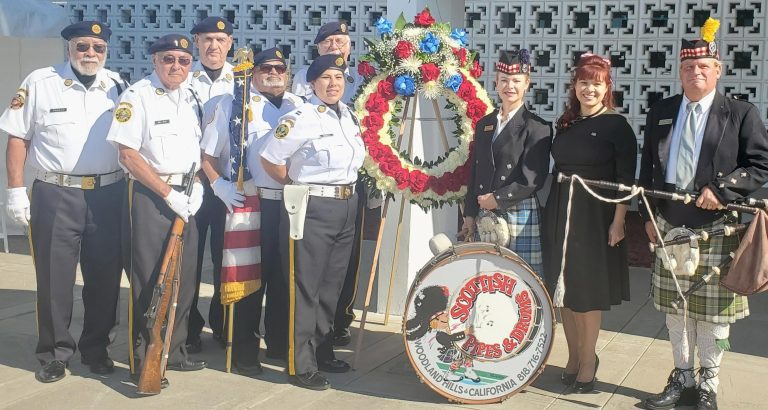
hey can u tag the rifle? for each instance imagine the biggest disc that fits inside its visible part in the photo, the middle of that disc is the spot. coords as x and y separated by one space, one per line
153 366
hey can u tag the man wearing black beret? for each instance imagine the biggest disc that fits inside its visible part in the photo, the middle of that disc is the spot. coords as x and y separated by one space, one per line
75 202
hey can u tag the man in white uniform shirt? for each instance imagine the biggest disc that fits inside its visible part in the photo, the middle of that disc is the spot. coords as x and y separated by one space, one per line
268 102
58 122
157 132
210 76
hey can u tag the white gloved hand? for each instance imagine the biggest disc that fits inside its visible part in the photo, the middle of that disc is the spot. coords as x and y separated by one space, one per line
196 197
227 192
179 203
18 205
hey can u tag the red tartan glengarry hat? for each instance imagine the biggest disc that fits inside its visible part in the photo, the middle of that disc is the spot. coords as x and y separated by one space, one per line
705 47
514 62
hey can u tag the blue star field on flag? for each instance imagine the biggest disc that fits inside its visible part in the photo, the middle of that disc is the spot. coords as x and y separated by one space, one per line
238 124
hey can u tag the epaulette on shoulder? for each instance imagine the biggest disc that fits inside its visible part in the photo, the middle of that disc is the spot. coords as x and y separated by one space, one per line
40 74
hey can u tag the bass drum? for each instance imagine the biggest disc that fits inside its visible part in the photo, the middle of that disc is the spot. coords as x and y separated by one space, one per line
478 325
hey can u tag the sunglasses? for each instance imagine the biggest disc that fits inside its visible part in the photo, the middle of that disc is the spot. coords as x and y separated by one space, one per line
267 68
170 60
98 48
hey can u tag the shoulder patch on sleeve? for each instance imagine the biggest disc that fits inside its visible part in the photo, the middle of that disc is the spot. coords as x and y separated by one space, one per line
283 129
19 99
123 113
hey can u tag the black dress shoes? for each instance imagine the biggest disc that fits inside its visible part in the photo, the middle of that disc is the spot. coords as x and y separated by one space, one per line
105 365
163 382
568 378
342 337
311 380
248 364
585 387
52 372
188 365
333 366
707 400
194 346
673 395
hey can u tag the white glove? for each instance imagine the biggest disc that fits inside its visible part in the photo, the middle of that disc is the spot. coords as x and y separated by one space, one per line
196 197
18 205
227 192
180 204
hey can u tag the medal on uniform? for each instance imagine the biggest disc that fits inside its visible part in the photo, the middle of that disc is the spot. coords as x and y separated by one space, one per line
68 82
321 108
159 91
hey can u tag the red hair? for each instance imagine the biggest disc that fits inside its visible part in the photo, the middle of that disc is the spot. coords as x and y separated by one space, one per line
590 67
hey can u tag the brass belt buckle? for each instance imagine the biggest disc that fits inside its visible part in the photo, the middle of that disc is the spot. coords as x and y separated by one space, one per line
345 192
88 183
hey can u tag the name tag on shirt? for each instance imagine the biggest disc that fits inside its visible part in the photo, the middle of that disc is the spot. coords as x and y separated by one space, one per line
665 122
52 110
161 122
488 128
326 135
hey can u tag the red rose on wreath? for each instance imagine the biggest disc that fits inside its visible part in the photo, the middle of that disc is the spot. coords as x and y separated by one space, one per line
373 121
476 69
466 91
403 49
437 185
401 178
366 70
370 136
390 164
386 89
429 72
461 54
476 110
376 103
424 19
419 181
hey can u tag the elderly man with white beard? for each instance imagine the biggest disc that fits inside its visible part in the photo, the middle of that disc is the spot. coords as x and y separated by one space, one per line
57 123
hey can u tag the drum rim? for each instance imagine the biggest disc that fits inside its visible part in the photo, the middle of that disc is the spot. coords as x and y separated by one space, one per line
449 255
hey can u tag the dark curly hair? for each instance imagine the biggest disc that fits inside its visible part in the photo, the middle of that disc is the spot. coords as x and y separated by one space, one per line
428 302
589 67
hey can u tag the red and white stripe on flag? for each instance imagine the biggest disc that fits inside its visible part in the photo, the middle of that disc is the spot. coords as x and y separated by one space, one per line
242 243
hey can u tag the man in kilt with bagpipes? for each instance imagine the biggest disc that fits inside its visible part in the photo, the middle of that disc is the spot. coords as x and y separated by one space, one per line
716 149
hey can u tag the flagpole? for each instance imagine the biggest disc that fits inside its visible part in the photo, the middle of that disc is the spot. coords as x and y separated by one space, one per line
230 332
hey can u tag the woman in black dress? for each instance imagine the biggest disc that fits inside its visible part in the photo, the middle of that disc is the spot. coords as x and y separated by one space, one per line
594 142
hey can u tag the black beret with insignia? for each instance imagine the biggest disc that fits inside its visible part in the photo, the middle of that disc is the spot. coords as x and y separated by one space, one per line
170 42
269 54
331 29
87 29
212 25
514 62
325 62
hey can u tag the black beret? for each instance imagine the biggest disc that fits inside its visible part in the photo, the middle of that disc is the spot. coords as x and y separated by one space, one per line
514 62
87 29
331 29
269 54
698 49
325 62
212 25
171 42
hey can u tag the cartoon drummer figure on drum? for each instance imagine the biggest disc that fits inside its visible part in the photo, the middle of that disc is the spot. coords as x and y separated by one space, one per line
431 306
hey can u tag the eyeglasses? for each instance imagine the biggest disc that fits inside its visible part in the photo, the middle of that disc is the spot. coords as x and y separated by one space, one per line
170 60
340 42
267 68
98 48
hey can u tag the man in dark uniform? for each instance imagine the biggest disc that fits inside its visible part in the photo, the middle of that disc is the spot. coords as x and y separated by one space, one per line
704 142
156 129
210 77
75 207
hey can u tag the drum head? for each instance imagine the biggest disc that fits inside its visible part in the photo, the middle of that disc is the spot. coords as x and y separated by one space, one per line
478 324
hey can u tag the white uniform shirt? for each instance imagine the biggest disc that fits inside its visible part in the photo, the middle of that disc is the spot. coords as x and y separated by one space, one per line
319 147
216 140
303 88
163 126
702 113
205 88
66 124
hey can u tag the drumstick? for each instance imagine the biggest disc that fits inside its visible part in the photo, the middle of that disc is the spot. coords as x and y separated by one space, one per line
726 230
701 282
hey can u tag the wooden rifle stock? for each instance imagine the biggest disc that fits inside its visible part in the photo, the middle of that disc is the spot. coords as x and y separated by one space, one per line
151 369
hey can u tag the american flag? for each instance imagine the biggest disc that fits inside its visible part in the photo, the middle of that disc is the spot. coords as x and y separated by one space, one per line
241 263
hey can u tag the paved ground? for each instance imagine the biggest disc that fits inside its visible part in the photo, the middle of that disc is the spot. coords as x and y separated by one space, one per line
634 354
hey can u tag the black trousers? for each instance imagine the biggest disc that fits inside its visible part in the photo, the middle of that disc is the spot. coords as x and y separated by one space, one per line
148 221
211 215
273 284
320 264
71 225
344 314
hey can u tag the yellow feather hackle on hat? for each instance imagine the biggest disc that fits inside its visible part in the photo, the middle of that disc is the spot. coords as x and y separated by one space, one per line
709 29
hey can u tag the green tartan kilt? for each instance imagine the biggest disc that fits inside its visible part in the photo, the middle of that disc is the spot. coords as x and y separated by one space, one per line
712 302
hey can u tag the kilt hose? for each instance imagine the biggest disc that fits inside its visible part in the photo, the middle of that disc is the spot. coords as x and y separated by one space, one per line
712 303
147 223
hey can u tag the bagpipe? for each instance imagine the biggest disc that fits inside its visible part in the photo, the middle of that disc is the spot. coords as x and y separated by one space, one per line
748 271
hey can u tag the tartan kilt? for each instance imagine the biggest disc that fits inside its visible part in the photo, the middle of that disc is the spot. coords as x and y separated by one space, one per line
712 303
523 220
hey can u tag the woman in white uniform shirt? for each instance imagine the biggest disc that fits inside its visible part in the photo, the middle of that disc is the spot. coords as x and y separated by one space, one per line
317 145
